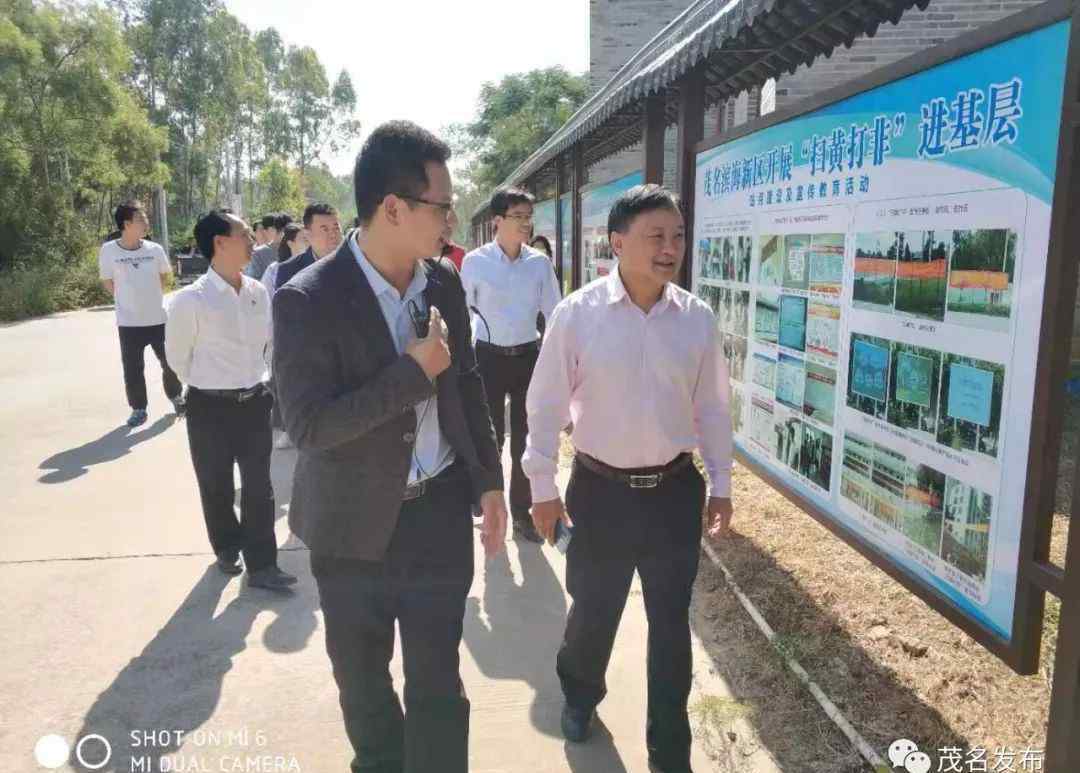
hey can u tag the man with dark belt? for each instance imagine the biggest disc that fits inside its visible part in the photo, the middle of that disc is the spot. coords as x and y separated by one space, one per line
215 336
374 365
636 363
509 286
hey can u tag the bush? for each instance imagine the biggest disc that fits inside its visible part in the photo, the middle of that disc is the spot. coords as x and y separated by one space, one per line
34 291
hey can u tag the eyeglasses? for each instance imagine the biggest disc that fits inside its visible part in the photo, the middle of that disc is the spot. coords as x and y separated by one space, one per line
447 207
520 218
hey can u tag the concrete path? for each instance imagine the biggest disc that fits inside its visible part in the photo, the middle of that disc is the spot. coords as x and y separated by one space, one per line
117 625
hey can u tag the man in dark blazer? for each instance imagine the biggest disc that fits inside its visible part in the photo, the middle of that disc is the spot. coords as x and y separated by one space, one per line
380 391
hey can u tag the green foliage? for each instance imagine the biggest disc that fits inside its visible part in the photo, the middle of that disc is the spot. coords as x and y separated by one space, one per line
281 190
321 185
32 291
74 137
514 117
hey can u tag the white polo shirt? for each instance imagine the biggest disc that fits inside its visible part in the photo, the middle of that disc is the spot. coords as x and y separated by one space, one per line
136 276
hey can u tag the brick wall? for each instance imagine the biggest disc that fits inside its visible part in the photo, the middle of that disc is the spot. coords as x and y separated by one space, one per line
917 30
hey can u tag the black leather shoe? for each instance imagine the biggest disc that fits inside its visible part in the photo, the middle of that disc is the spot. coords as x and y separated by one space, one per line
229 563
523 528
576 723
270 578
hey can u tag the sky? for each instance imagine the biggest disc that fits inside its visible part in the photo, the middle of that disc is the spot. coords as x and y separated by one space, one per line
425 60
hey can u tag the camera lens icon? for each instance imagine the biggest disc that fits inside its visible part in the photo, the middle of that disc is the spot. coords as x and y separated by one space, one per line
52 751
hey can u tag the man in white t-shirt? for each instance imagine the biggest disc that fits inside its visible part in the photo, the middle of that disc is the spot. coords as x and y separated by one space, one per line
133 269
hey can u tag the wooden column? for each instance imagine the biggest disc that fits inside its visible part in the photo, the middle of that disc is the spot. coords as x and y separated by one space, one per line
578 160
560 189
691 132
653 133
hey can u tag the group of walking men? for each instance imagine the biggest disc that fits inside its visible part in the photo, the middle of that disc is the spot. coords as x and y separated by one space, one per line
391 371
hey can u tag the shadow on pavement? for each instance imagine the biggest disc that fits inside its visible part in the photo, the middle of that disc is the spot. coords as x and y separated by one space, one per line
75 462
515 633
175 683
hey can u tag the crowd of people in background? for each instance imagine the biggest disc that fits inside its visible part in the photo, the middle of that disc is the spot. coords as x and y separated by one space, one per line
391 359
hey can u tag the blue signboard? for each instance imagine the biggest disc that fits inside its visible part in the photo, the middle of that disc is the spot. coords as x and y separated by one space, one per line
971 393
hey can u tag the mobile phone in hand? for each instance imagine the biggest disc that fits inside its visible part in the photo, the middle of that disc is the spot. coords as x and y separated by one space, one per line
563 533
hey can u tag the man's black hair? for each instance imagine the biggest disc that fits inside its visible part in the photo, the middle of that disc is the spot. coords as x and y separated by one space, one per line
282 219
504 198
268 221
392 161
318 208
213 223
126 212
636 201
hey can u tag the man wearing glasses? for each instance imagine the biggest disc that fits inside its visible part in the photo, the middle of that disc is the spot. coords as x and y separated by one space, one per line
377 379
508 285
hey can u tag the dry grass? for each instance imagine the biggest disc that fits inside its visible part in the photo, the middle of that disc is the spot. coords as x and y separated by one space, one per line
893 666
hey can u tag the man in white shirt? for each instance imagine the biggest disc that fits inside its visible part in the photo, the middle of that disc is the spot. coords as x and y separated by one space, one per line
636 363
215 337
509 286
134 269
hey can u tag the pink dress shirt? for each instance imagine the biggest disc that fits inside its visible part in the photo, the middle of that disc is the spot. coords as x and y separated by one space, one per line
640 388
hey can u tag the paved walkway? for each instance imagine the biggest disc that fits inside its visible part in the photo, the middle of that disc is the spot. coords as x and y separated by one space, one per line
117 624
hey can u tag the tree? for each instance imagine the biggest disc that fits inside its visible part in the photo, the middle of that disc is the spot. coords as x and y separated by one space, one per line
514 117
308 93
74 136
321 185
280 189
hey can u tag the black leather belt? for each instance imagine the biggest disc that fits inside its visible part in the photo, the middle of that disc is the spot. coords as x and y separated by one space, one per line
239 395
417 490
644 477
510 351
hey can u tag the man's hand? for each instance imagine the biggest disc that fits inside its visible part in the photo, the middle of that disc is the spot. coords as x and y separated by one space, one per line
546 514
431 352
493 527
718 517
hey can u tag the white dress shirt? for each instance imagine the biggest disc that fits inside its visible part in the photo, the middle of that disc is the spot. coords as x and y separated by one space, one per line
215 337
640 388
509 293
269 277
432 453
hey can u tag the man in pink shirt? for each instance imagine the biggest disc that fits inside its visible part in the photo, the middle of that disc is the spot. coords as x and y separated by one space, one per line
635 362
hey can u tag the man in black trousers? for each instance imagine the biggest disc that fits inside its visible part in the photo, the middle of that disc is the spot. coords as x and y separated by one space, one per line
379 389
637 363
217 330
510 287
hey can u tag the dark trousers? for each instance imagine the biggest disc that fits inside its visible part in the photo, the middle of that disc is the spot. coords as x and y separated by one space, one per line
133 343
504 376
223 432
618 529
421 583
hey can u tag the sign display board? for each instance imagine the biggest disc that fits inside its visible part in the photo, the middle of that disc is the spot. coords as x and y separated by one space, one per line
877 267
544 220
596 201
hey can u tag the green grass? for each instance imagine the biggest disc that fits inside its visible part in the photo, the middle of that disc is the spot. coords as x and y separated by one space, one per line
50 288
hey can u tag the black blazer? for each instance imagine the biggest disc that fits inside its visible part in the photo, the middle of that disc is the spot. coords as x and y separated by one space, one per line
347 399
287 269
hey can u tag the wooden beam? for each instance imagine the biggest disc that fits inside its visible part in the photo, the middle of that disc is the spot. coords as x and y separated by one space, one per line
691 130
578 160
560 189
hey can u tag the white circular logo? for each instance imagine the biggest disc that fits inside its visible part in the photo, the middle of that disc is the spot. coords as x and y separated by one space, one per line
79 752
51 751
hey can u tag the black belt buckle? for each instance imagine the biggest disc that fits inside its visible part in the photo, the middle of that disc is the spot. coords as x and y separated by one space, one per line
645 481
415 491
243 397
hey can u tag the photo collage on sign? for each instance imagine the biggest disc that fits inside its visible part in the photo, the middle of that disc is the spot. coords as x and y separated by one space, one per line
938 397
946 518
723 266
962 277
796 337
